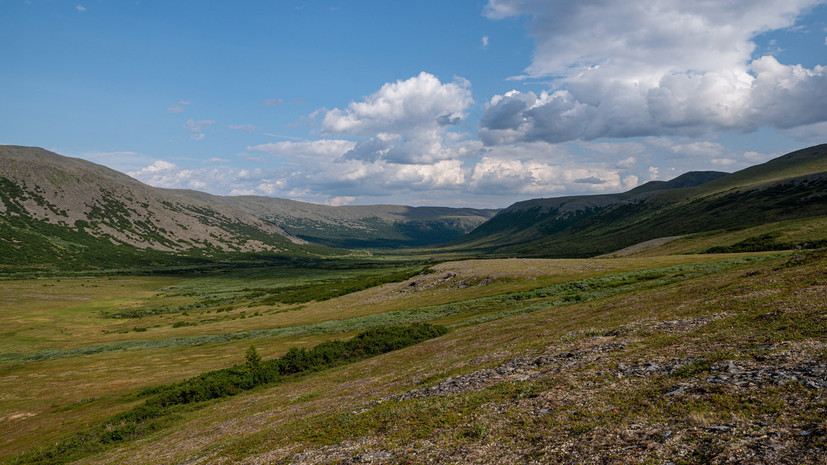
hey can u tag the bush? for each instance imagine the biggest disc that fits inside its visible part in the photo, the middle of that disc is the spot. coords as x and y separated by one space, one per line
163 400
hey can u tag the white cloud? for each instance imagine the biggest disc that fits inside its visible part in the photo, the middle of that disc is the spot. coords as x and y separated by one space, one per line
319 172
534 178
724 162
273 102
419 102
484 42
80 8
324 149
407 122
159 166
668 67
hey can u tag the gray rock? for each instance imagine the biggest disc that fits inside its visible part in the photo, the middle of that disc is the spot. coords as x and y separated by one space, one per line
720 428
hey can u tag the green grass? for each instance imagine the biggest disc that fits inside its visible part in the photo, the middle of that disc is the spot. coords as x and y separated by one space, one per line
465 313
165 402
525 306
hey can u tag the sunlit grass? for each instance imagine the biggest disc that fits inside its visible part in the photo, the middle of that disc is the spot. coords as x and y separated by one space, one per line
51 397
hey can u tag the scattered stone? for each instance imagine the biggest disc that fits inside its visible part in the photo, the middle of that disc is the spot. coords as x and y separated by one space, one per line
652 368
808 374
524 368
720 428
678 389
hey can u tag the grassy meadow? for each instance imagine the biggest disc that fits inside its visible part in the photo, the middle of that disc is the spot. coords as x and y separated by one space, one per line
75 351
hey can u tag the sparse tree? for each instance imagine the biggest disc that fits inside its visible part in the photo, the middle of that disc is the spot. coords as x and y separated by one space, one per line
253 358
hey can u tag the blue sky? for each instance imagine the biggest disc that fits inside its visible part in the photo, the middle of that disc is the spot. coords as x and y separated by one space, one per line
458 103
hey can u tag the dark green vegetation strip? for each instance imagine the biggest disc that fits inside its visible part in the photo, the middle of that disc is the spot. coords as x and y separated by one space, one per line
765 242
164 402
314 290
477 310
329 289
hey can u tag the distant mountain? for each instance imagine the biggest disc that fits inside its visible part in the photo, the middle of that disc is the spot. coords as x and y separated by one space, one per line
788 187
68 211
365 226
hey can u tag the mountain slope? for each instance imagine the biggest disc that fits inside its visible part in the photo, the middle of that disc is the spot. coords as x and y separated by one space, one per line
788 187
71 212
365 226
54 208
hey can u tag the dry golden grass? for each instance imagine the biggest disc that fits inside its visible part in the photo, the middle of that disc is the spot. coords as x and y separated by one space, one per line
334 414
42 401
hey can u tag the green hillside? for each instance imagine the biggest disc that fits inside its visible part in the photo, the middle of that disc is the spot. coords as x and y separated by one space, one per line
64 213
705 347
789 187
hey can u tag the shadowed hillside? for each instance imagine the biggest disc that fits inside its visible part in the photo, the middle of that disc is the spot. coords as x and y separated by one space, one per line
68 212
789 187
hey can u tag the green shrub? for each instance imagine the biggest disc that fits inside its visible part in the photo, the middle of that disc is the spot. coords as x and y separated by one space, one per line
764 243
164 400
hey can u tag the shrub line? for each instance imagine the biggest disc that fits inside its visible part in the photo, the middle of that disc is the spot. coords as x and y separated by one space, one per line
164 402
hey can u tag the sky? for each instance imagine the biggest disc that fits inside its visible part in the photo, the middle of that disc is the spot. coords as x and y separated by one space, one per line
459 103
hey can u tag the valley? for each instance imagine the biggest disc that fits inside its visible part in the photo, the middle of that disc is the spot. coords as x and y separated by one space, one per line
680 322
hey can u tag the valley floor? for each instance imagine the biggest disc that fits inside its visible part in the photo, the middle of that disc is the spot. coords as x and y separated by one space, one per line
672 359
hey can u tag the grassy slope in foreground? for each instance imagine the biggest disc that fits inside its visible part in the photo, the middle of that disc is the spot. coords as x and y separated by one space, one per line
772 302
61 378
164 403
721 368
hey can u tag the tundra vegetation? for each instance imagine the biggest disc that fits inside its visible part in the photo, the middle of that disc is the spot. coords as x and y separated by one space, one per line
688 326
528 360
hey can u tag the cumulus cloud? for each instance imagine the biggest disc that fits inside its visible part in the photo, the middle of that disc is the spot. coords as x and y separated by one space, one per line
326 171
159 166
669 67
419 102
409 121
224 181
324 149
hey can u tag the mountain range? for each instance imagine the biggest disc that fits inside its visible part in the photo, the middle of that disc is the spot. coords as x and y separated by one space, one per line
785 188
62 211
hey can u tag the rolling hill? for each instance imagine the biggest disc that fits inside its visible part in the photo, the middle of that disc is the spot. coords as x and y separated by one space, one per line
788 187
68 212
672 357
